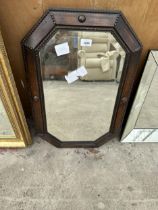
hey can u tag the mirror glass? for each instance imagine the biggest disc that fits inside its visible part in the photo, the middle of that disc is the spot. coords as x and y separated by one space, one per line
81 72
6 129
142 124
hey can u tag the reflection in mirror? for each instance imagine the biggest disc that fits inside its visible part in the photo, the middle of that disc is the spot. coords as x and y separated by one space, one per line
81 72
5 125
142 124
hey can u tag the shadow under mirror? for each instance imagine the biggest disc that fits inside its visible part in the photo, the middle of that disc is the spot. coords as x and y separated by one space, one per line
142 124
81 72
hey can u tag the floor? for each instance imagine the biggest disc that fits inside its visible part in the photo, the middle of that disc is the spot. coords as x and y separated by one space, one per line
113 177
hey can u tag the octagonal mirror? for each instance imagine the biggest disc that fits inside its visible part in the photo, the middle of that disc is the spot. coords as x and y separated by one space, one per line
78 69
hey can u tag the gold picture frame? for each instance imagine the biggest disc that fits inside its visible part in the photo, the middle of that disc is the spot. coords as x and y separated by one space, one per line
12 105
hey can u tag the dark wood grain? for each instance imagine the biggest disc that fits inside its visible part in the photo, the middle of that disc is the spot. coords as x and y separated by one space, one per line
112 21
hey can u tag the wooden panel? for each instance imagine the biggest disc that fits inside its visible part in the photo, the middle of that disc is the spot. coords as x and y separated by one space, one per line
17 17
68 4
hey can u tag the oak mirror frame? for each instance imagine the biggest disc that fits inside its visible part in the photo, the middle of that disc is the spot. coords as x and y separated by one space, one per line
65 26
13 127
